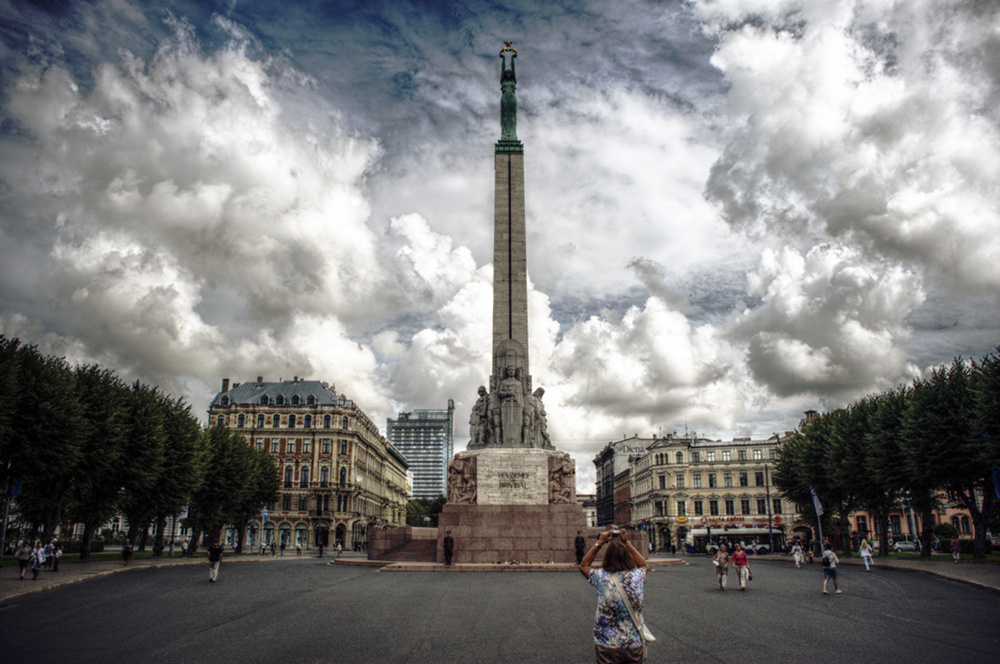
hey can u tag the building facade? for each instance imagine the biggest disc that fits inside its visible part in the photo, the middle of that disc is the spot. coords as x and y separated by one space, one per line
610 461
340 478
689 482
427 439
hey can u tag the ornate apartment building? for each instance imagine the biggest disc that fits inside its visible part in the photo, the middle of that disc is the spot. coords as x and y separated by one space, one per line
690 482
337 472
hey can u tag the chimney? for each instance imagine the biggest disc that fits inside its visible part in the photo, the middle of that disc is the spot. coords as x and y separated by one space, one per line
225 384
260 381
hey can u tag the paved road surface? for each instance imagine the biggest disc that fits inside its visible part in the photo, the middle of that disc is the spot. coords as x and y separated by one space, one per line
303 610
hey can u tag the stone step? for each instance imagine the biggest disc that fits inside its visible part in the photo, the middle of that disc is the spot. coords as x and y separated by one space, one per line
414 551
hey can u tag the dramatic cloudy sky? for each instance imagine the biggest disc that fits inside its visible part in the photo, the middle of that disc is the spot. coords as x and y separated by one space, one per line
737 209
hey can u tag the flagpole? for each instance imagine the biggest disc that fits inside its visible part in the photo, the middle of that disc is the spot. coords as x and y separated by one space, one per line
819 517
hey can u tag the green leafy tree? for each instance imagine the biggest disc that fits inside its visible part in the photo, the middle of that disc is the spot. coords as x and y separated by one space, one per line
143 457
262 488
183 464
884 471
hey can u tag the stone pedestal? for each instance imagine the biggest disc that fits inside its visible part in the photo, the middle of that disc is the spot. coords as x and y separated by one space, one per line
505 533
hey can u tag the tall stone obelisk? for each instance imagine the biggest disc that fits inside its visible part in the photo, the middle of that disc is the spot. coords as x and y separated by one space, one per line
510 262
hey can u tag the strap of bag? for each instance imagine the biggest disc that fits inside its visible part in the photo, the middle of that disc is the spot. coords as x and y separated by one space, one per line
628 605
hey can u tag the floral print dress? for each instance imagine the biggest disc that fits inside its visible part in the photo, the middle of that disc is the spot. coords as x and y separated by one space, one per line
613 627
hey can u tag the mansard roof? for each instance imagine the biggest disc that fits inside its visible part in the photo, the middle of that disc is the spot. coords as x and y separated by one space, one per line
250 393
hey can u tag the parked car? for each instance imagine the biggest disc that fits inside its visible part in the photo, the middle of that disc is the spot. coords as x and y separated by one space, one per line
904 545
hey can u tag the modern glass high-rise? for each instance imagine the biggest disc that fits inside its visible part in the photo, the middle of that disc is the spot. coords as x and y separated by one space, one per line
427 440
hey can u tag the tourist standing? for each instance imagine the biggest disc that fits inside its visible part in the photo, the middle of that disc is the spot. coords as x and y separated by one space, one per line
56 555
830 561
956 549
37 560
126 550
742 566
214 561
866 554
579 544
449 548
620 579
24 557
797 554
721 560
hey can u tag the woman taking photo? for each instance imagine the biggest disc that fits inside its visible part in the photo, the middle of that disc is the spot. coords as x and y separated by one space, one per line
617 637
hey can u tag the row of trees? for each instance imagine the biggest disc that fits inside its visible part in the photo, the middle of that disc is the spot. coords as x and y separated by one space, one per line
935 441
79 445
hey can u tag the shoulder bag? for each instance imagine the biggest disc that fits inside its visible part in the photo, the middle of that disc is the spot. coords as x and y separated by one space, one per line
647 636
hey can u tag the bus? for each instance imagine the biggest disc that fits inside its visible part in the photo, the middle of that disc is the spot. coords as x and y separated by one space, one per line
754 540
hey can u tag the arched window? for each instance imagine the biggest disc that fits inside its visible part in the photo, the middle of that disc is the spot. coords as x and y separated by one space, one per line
221 420
275 421
289 473
304 476
955 522
343 423
324 476
343 447
260 421
680 457
326 421
307 421
225 401
291 421
263 400
343 476
240 420
310 400
279 400
965 525
295 400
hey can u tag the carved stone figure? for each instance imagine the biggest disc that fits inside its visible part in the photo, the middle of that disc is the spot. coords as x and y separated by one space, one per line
508 98
511 409
462 481
562 480
478 424
540 434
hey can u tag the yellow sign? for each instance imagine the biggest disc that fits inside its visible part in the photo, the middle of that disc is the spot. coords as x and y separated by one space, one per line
681 519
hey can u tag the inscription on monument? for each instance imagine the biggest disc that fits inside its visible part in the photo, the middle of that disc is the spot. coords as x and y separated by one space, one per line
512 477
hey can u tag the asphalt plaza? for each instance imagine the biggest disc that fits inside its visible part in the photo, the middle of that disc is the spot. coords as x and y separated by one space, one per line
303 610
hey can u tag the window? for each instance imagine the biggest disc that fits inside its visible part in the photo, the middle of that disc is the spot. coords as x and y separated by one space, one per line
324 476
680 480
741 455
343 476
744 478
681 508
695 457
326 421
757 455
680 457
758 478
263 400
663 481
260 421
295 400
659 508
307 447
291 421
221 420
699 507
777 505
307 422
304 476
343 423
343 447
725 455
275 421
773 453
279 400
730 508
302 503
696 480
240 421
310 400
712 483
761 506
286 502
274 447
727 479
260 444
894 524
290 447
710 457
745 507
965 526
863 525
713 508
289 472
955 522
326 446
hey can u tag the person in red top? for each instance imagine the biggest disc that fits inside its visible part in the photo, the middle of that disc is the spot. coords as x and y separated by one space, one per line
742 567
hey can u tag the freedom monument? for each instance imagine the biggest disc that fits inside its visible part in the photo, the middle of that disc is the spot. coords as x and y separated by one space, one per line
511 494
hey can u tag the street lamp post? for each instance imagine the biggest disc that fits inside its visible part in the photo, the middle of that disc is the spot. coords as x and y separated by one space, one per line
770 531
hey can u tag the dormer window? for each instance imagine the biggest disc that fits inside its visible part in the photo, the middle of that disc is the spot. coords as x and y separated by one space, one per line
310 400
263 400
279 400
295 400
224 401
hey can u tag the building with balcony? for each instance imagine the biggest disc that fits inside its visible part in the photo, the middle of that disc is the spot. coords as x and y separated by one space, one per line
611 460
427 440
340 478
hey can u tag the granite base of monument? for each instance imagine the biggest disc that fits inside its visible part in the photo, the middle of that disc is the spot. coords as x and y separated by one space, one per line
511 533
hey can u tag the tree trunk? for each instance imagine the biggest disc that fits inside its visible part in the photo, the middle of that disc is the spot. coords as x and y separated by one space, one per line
88 538
883 528
241 537
981 517
926 531
161 525
196 531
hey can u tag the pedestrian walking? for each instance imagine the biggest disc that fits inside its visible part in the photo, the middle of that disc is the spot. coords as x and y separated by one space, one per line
298 549
126 551
24 557
214 561
282 547
830 561
797 554
579 544
37 560
340 548
741 565
449 548
721 560
866 554
48 556
956 549
619 630
56 555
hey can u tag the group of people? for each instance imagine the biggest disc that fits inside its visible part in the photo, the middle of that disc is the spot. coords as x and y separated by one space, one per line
38 557
738 558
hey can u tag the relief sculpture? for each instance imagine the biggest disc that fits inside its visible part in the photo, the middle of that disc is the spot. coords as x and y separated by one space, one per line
462 481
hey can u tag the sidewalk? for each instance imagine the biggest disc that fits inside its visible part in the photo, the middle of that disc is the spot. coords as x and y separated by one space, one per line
74 572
